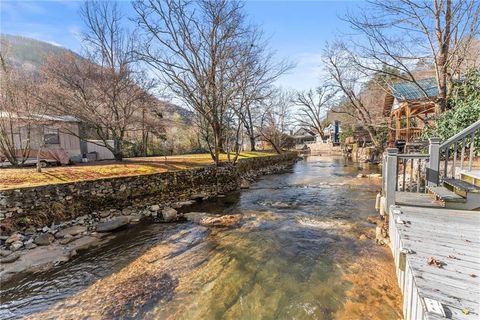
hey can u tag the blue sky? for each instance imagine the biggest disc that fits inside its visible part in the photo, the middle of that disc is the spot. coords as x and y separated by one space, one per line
298 30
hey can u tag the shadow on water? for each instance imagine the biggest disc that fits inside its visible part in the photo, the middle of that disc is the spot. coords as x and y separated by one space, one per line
287 259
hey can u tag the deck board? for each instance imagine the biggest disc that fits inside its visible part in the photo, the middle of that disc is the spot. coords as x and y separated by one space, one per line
439 233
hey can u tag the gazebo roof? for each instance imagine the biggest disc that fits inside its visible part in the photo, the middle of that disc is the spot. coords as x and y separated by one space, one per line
405 91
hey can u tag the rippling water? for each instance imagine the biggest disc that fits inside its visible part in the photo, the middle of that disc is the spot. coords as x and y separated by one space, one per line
296 255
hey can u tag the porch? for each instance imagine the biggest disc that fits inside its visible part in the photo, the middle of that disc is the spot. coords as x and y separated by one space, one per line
432 201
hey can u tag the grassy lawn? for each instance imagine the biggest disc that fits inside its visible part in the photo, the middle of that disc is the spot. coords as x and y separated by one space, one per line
28 177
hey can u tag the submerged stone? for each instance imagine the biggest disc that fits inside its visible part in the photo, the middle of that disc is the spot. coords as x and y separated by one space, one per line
83 243
221 221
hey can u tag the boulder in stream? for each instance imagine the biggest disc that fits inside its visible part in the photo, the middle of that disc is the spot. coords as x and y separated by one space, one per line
169 215
14 237
4 253
44 239
11 258
244 184
198 196
72 231
114 224
14 246
180 204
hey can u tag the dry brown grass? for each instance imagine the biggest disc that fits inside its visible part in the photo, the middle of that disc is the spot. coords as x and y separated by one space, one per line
28 177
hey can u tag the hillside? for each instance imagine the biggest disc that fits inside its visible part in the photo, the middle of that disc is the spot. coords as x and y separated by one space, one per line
29 54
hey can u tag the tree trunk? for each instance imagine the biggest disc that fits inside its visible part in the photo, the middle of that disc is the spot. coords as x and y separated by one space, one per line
252 143
217 144
372 133
443 41
117 149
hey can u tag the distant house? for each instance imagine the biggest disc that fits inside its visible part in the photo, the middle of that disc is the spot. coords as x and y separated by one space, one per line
409 105
56 137
303 136
332 132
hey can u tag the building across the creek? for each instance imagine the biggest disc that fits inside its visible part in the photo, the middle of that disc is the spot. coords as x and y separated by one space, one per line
410 106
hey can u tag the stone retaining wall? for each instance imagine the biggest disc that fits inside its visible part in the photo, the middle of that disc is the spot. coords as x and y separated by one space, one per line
39 206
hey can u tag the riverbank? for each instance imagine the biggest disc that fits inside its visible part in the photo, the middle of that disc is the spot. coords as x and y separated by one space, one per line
36 246
15 178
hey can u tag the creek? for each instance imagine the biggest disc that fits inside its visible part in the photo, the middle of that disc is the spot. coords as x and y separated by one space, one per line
297 254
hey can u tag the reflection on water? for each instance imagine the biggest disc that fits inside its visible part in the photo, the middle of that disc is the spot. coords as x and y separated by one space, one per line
296 255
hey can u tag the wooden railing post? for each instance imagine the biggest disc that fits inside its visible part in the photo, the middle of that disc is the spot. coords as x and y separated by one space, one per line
433 169
390 177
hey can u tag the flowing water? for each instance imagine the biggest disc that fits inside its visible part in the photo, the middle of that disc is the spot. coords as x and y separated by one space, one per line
296 255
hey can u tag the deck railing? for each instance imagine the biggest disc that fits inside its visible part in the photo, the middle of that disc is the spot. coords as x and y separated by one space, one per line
412 172
409 172
408 134
458 151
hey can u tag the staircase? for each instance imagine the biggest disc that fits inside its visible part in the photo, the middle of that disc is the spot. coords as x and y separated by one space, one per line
458 193
443 177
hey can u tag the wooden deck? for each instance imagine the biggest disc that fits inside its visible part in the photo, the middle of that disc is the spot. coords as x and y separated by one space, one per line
451 238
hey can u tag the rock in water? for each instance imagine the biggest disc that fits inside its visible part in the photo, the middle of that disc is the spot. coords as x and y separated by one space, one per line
244 184
113 224
4 253
73 231
198 196
83 243
169 214
11 258
180 204
155 208
221 221
44 239
195 216
14 246
14 237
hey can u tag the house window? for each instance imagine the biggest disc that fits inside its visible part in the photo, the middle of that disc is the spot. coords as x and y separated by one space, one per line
51 136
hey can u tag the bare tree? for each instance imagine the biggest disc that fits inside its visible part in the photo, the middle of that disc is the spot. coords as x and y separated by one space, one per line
353 85
106 89
256 81
18 112
208 56
400 34
314 105
276 120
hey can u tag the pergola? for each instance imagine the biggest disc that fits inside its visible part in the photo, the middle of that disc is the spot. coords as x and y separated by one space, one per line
408 106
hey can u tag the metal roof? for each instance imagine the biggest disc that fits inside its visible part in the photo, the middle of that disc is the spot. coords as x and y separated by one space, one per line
39 117
403 91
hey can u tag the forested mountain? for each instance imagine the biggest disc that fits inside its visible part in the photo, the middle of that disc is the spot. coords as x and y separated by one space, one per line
26 52
29 54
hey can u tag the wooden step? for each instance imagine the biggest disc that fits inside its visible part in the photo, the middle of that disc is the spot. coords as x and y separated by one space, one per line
460 187
444 194
472 177
417 199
